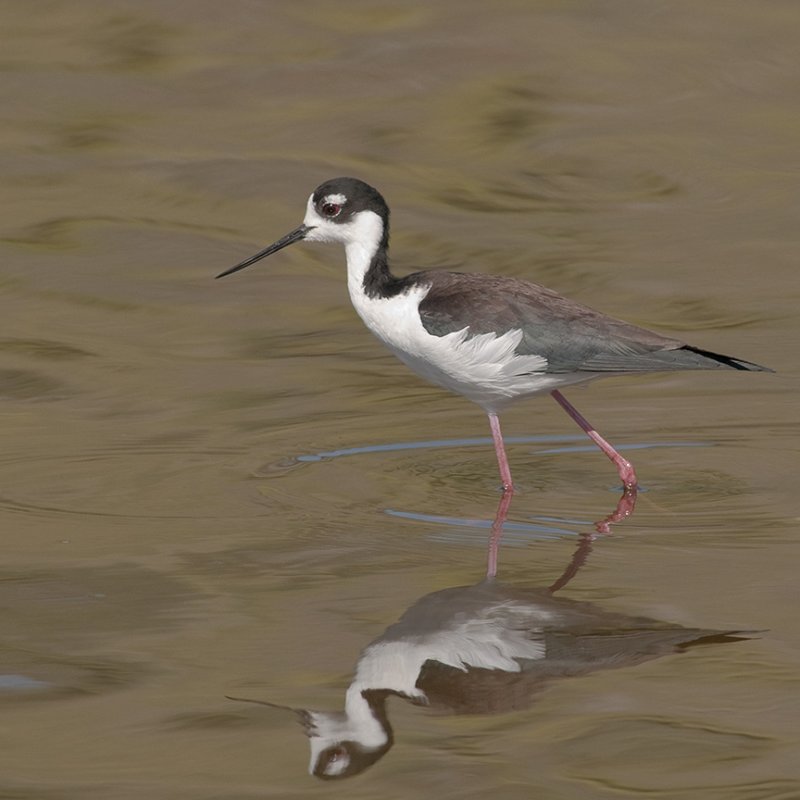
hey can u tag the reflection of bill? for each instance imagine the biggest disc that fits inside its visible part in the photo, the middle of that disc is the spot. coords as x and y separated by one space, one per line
482 649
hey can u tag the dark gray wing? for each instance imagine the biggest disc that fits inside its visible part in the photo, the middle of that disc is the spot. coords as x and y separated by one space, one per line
572 337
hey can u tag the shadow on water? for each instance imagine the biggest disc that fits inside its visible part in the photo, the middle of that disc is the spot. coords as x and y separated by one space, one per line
488 648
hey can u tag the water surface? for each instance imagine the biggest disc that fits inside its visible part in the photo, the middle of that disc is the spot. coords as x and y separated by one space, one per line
205 488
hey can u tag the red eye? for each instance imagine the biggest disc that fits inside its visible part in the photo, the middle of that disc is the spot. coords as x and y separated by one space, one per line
331 209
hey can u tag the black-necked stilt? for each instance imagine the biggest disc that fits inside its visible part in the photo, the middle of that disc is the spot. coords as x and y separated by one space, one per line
483 649
489 338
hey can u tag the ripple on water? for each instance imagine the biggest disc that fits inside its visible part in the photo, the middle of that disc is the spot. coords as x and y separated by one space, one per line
32 676
137 481
663 754
44 349
25 384
160 480
59 626
430 479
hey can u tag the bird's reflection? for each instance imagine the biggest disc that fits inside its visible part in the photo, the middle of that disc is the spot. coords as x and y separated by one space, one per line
624 508
484 649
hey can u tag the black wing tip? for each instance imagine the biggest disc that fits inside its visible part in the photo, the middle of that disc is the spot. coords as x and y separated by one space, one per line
728 361
720 637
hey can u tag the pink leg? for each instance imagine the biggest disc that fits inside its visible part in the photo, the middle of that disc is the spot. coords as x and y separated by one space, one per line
578 560
499 448
497 533
624 467
624 509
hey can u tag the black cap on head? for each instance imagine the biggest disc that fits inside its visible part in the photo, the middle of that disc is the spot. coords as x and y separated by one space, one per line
359 196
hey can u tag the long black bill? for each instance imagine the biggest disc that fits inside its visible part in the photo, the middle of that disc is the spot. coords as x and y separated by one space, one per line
295 236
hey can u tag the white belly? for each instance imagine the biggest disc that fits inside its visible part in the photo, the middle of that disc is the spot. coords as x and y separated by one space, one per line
482 368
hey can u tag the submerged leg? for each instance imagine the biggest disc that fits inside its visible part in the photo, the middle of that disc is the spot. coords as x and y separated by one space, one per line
624 467
500 450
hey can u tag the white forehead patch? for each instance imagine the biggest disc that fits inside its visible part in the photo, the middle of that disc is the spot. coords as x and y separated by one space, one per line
338 199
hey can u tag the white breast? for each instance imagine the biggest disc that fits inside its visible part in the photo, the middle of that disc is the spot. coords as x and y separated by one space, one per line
484 368
500 637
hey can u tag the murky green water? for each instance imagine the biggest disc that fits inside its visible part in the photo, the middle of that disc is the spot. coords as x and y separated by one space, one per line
163 545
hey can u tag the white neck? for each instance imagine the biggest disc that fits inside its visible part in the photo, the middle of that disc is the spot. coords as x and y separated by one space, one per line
366 727
361 237
366 231
358 724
